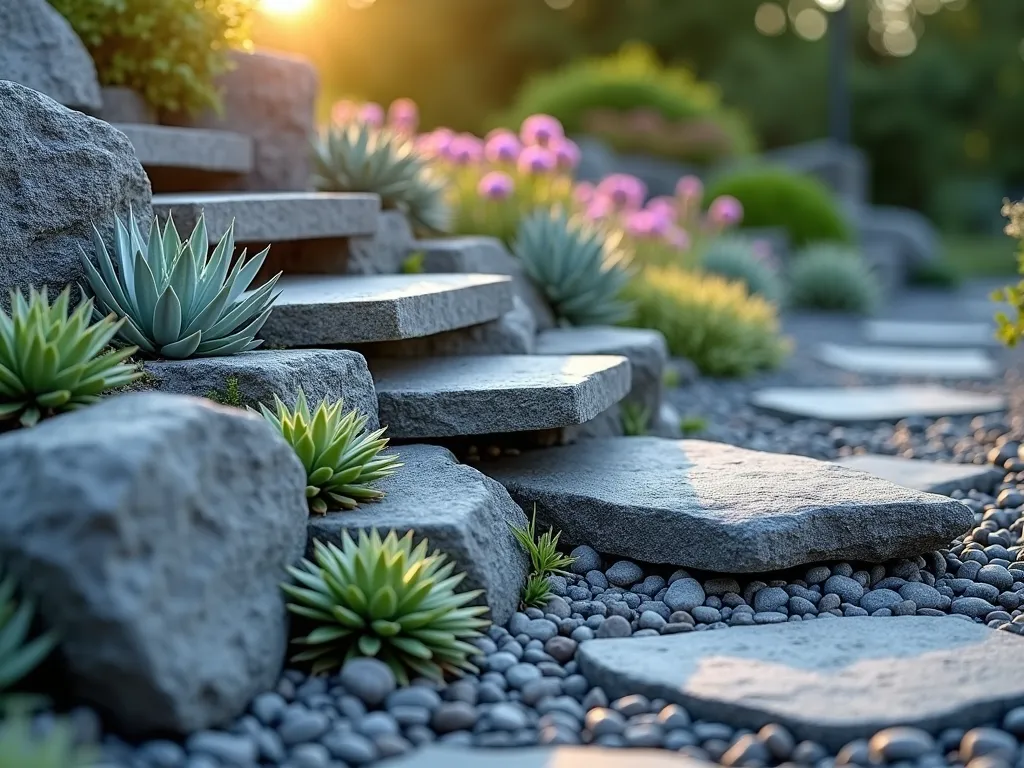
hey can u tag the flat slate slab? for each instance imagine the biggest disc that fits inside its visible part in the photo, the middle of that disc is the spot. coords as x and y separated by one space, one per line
455 396
910 361
462 513
827 681
713 506
851 405
930 334
928 476
443 756
353 309
160 146
269 217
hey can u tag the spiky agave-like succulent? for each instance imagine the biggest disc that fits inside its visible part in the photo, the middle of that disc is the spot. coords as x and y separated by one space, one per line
51 361
177 301
18 654
357 157
386 599
581 269
340 457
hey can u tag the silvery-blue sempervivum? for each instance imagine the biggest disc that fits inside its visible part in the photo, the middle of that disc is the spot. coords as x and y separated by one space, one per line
177 300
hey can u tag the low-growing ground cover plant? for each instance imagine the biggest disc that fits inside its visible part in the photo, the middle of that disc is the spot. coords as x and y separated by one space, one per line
832 278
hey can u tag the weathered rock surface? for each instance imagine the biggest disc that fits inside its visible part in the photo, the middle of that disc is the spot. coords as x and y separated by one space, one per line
720 508
929 476
40 50
444 756
257 376
155 530
60 171
827 681
848 405
459 511
384 252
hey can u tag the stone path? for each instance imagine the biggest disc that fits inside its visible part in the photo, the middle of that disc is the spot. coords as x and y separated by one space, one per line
439 756
916 362
929 476
830 681
851 405
720 508
930 334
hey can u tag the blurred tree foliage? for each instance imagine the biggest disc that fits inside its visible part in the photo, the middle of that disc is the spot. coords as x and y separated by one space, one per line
942 127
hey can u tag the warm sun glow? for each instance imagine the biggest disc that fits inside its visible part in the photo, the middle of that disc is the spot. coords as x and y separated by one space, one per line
285 7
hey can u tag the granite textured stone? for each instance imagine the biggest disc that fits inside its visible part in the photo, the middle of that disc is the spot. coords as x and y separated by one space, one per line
668 422
156 551
452 396
384 252
931 333
929 476
269 217
489 256
462 513
161 146
906 361
260 375
315 310
60 172
847 405
40 50
448 756
720 508
826 681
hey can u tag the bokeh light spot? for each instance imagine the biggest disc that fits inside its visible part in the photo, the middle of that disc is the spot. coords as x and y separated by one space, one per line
770 19
811 24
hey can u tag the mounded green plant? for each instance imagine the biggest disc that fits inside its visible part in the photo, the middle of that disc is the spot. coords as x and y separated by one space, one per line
692 425
357 157
340 457
735 258
713 322
51 361
19 655
169 51
385 599
581 269
21 748
777 197
177 301
833 278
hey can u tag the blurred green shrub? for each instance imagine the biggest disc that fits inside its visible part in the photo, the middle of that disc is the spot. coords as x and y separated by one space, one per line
833 278
169 51
776 197
737 258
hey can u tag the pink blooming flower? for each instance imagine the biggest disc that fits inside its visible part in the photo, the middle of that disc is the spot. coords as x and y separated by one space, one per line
502 146
541 130
435 143
465 149
567 154
372 114
495 186
678 237
599 208
583 193
626 192
403 115
689 189
640 224
536 159
343 111
662 206
725 211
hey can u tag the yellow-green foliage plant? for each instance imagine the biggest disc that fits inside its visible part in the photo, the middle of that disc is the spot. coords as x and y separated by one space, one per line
169 51
1010 330
51 361
387 599
20 747
714 323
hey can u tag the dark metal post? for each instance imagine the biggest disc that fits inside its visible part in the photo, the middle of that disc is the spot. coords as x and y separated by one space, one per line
840 55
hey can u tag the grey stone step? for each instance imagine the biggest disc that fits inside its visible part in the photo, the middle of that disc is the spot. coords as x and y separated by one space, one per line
922 362
462 513
269 217
698 504
444 756
456 396
851 405
826 681
160 146
930 334
929 476
317 310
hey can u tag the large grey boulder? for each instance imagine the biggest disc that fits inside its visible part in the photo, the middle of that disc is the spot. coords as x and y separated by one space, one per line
720 508
461 512
826 681
155 530
40 50
256 377
60 171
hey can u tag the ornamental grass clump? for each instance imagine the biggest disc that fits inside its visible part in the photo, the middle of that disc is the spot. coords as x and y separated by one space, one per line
341 459
545 560
385 599
581 269
176 301
833 278
51 361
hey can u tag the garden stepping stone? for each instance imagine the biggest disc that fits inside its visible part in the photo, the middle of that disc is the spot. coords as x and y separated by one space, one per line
719 508
314 310
454 396
444 756
847 405
909 361
826 681
930 334
160 147
928 476
462 513
270 217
